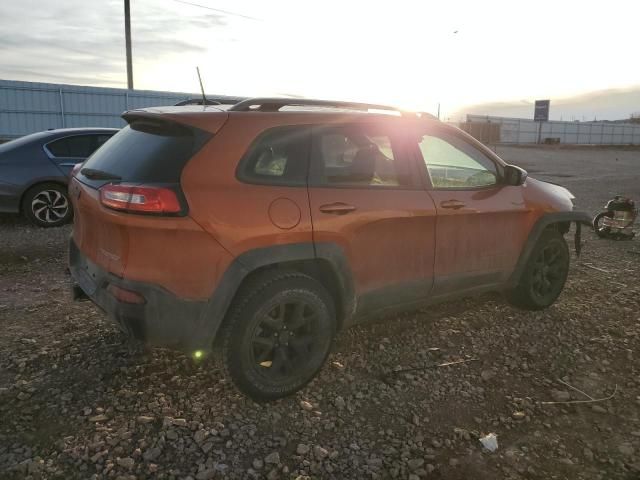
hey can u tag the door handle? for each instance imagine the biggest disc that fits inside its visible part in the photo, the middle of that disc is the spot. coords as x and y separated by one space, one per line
453 204
338 208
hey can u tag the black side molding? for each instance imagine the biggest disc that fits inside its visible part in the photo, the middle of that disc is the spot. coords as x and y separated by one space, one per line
543 222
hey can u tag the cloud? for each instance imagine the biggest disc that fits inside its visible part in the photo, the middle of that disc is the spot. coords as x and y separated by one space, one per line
73 42
89 79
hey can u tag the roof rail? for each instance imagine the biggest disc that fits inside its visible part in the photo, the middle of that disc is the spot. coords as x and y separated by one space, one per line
266 104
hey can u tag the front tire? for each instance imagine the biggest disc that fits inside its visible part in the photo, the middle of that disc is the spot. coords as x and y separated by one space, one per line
544 276
279 333
47 205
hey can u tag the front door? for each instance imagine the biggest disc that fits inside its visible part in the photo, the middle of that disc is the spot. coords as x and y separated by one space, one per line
366 197
482 223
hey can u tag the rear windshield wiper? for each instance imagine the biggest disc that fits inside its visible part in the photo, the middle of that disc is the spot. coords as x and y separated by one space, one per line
94 174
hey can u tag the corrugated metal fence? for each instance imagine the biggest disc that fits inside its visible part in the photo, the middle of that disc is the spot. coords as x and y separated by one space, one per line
27 107
519 130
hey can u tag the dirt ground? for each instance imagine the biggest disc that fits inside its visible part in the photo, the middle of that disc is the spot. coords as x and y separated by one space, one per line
78 401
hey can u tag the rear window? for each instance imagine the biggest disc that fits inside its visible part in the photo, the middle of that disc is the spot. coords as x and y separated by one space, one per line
145 152
279 156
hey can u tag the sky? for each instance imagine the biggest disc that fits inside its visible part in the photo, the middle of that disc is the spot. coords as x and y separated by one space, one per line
464 55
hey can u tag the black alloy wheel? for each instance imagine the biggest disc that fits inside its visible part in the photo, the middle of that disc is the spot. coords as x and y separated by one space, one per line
284 339
278 334
549 271
544 275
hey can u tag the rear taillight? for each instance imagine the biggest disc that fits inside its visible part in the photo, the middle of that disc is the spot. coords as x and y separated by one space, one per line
143 199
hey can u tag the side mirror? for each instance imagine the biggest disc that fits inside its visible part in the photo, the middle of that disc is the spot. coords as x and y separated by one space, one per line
514 175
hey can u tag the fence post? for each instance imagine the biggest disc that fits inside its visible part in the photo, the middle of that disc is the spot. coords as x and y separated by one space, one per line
62 107
539 132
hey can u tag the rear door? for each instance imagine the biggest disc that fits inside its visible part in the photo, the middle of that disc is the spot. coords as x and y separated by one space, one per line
66 152
482 222
366 197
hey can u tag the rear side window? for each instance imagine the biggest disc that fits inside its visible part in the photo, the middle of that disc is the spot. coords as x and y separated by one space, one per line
359 156
78 146
279 156
145 152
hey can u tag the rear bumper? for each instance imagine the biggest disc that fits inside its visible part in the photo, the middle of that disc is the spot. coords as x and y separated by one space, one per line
163 320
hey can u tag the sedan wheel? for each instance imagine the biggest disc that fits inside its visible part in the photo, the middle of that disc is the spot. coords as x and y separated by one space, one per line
47 205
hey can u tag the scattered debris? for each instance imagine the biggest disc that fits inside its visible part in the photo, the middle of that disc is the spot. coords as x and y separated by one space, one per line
576 389
518 415
490 442
593 267
437 365
592 400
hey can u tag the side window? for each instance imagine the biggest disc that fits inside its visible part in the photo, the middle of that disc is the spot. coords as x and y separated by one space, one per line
453 163
80 146
359 156
59 148
101 140
279 156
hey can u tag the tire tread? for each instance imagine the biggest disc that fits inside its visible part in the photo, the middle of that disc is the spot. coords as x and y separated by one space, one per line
246 295
519 296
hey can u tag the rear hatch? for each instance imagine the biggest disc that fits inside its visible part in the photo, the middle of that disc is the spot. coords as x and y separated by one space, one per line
133 182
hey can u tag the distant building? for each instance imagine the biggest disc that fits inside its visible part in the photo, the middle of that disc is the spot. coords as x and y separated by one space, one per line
526 131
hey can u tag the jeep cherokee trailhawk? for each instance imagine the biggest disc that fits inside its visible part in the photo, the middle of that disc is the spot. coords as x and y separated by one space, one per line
267 226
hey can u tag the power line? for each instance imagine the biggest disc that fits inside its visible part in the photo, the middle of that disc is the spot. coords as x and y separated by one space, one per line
219 10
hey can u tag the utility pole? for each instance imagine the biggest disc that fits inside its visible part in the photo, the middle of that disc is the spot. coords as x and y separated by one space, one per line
127 36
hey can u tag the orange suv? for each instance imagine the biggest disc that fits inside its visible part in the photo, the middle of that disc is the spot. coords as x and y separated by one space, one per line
267 226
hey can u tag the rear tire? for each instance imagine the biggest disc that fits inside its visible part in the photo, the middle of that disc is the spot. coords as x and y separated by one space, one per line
545 274
278 335
47 205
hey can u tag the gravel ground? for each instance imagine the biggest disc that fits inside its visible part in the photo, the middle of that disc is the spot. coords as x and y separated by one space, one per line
78 401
